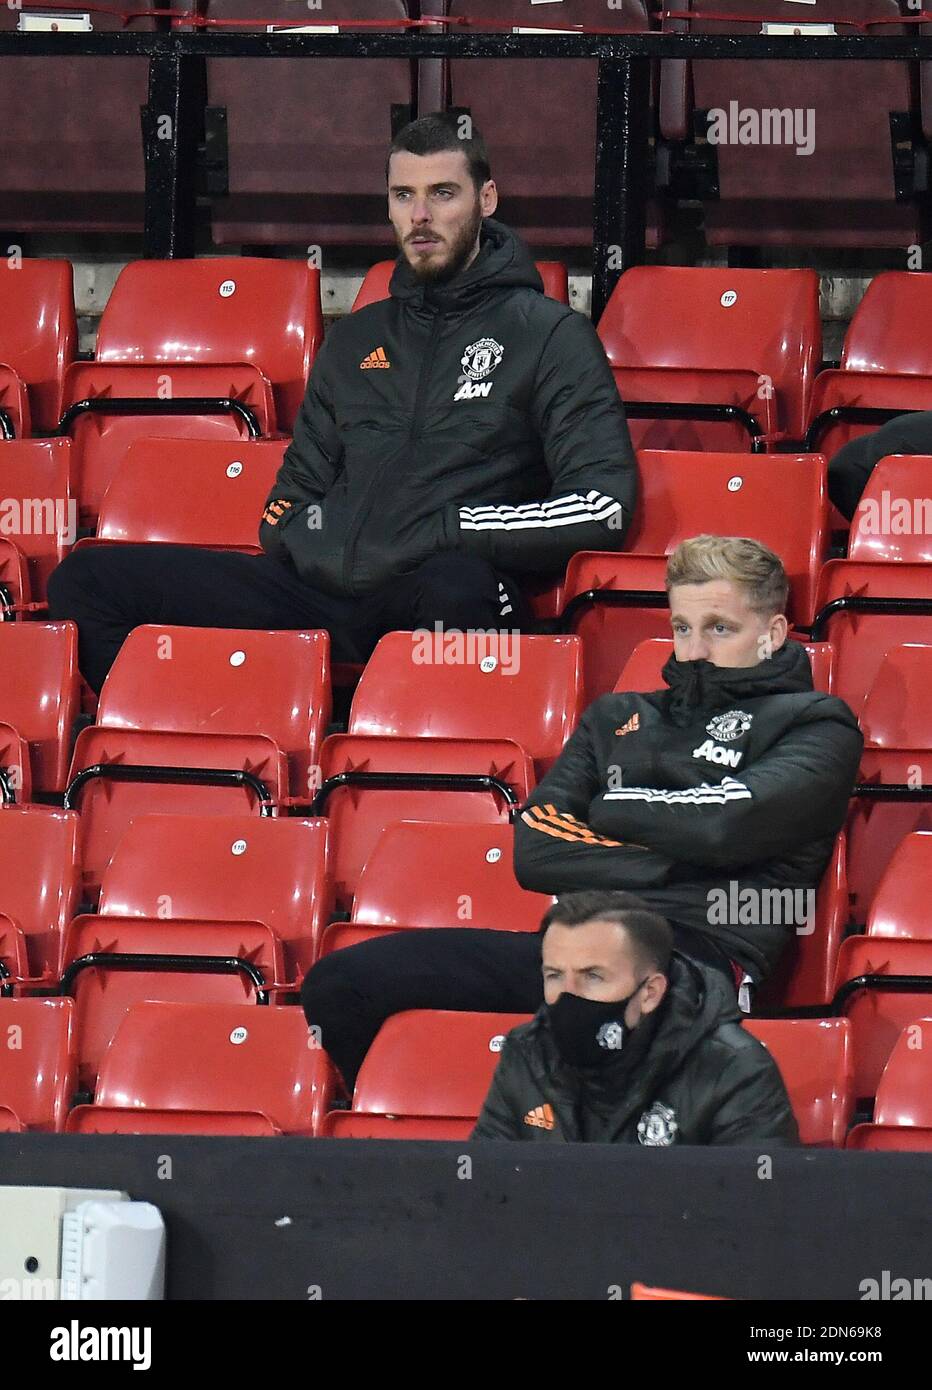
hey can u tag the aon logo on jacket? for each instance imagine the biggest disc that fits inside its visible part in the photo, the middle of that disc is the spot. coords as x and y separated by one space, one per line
713 753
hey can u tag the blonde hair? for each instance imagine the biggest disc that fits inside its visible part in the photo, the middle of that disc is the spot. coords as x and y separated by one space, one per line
749 564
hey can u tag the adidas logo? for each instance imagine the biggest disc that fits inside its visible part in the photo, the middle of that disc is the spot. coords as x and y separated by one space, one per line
631 726
376 358
541 1117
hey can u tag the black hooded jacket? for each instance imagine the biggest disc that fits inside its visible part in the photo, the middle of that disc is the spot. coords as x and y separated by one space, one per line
476 415
716 800
687 1074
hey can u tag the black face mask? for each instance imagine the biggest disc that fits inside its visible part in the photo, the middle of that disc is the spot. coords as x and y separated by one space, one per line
590 1032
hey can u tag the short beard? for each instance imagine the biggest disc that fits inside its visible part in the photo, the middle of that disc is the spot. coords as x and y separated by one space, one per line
460 251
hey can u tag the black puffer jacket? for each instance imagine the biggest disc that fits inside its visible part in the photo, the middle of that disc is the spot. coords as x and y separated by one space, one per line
478 416
688 1074
700 798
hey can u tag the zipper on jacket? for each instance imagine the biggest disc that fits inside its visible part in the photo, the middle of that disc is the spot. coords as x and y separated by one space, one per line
361 515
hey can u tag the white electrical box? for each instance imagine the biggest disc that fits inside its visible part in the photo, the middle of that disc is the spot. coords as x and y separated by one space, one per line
79 1243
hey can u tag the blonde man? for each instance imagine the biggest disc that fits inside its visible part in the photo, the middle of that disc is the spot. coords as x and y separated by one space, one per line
716 800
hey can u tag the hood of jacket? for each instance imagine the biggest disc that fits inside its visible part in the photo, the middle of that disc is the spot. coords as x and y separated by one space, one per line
503 261
698 686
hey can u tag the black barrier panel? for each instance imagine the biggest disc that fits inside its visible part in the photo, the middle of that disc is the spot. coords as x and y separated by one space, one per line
350 1219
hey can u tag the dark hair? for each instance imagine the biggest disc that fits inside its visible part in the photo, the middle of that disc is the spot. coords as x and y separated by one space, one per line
651 935
441 131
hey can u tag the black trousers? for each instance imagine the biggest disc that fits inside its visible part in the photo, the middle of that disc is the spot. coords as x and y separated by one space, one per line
851 467
349 994
109 590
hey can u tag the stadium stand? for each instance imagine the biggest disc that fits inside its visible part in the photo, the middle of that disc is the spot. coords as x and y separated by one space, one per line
169 873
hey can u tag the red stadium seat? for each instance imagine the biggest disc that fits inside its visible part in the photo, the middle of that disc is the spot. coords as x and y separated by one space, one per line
225 681
244 703
900 906
542 139
893 521
39 695
242 332
861 611
815 1060
597 585
642 670
305 161
38 328
897 754
37 1079
904 1094
209 1068
190 492
473 686
686 494
14 956
117 774
426 1064
216 311
15 587
881 986
805 974
712 358
38 514
471 880
111 963
852 185
367 783
376 281
39 880
219 868
168 400
886 366
15 768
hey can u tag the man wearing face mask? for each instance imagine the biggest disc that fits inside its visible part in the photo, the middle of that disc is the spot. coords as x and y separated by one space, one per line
634 1043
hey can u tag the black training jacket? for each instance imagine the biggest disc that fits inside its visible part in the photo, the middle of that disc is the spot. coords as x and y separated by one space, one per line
476 416
729 780
688 1074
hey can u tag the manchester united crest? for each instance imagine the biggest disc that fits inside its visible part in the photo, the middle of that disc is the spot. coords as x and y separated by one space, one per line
730 725
657 1127
481 358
